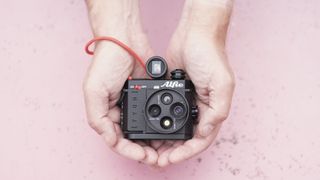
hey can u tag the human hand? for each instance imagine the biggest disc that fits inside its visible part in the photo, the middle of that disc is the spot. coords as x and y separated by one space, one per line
110 69
198 46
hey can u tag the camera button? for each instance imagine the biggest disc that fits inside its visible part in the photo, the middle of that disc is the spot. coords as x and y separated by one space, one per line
194 112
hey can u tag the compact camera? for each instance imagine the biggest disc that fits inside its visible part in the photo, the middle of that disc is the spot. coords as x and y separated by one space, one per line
158 108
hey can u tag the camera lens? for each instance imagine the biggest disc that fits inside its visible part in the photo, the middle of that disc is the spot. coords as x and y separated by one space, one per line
166 122
166 98
166 111
178 110
154 110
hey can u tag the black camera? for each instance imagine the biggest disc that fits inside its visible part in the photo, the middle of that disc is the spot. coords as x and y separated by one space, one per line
158 108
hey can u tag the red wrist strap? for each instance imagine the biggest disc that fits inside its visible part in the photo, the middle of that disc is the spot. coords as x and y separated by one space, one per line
119 43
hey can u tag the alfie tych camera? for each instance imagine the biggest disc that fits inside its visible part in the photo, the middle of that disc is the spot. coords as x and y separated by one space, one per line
158 108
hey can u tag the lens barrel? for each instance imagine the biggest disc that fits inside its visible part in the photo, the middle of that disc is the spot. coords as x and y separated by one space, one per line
178 110
154 110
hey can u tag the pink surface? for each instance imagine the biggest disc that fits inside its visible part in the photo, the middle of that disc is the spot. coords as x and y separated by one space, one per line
273 131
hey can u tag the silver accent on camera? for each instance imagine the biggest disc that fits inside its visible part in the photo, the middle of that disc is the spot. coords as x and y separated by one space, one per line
172 84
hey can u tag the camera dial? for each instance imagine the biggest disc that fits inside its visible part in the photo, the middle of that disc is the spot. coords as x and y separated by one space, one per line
178 74
166 111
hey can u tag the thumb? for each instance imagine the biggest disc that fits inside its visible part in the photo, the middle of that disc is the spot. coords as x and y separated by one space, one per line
213 113
208 121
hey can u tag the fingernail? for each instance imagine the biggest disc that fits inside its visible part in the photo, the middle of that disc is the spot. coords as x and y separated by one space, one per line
207 130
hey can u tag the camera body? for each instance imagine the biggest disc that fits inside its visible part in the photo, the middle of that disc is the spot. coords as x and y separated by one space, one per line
158 108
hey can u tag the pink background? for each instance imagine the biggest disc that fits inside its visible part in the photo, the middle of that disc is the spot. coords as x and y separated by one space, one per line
272 133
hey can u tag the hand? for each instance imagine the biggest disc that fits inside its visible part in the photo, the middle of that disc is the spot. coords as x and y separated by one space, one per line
200 50
108 72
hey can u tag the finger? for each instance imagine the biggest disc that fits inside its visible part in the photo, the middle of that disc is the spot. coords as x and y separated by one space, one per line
151 156
139 150
141 143
114 115
127 148
97 109
220 98
156 143
192 147
163 159
130 150
103 121
109 133
164 152
167 144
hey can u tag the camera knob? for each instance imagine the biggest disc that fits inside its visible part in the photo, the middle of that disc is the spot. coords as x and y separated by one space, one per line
121 120
178 74
121 115
194 112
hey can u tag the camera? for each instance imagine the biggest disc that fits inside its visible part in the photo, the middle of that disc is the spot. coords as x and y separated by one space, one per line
158 108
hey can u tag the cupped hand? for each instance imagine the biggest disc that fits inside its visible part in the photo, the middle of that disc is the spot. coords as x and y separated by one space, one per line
201 53
105 78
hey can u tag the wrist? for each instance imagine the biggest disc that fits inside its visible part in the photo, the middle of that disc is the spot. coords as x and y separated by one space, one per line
114 18
209 17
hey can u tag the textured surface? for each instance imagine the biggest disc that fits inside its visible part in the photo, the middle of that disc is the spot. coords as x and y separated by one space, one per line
272 133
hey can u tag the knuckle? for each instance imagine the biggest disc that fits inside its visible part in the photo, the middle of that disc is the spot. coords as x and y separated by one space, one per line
230 80
221 116
94 125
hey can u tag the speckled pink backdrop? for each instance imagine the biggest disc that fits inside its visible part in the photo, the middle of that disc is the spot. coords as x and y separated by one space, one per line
273 131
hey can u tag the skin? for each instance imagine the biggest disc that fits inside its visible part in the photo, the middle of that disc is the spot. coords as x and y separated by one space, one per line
197 46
